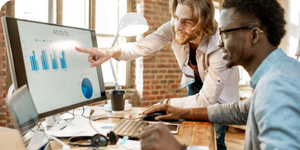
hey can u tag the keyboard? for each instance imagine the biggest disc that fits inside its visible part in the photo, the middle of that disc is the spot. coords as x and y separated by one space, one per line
129 127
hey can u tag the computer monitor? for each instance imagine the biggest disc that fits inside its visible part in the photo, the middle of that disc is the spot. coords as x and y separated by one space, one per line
43 56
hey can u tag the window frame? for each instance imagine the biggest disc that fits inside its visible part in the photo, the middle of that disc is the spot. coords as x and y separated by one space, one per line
92 24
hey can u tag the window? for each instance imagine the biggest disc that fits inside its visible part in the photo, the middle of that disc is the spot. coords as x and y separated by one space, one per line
108 14
25 10
76 13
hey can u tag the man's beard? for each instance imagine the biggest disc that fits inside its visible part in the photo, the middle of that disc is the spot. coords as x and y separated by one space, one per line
186 39
229 63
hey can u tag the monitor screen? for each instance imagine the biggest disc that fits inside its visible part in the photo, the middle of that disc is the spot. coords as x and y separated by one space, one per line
43 56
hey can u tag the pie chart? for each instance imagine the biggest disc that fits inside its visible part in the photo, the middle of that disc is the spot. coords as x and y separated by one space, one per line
87 88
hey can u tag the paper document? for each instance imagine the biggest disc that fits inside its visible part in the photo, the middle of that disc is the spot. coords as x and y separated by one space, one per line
38 140
80 126
130 144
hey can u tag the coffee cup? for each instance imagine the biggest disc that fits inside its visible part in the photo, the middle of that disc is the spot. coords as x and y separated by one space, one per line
117 100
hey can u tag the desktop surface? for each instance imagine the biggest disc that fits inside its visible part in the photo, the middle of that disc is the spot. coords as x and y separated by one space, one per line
190 132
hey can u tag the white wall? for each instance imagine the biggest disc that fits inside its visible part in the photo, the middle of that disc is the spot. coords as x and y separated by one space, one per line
292 16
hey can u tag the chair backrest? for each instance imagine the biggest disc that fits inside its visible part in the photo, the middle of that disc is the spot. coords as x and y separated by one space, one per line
11 139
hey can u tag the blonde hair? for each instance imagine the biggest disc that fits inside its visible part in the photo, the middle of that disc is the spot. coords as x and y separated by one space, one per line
203 12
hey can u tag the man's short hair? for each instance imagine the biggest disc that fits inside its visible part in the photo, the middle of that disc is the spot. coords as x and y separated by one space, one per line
203 12
268 15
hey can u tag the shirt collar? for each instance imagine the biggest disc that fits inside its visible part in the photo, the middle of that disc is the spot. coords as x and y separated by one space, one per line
204 43
265 66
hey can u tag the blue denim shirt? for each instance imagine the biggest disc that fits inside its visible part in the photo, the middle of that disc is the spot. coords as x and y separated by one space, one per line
272 113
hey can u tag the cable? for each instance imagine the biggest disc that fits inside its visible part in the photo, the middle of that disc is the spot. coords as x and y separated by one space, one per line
73 113
92 111
82 111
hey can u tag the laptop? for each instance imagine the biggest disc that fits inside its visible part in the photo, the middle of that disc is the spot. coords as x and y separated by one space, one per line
22 110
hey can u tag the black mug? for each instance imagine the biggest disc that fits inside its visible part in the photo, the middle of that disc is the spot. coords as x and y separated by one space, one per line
117 98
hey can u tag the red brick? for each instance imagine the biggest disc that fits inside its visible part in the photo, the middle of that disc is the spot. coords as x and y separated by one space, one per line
154 71
3 116
154 92
171 81
155 82
148 97
2 50
174 86
158 87
2 102
163 66
162 92
159 97
162 71
148 76
163 4
146 81
149 2
146 93
171 71
3 123
2 43
3 108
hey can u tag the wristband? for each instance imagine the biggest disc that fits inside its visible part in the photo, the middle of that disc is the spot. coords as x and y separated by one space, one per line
167 100
192 114
161 101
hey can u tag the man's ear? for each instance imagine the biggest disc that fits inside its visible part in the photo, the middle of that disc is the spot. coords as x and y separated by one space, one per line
255 35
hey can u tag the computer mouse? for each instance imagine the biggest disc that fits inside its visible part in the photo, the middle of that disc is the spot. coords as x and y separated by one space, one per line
151 116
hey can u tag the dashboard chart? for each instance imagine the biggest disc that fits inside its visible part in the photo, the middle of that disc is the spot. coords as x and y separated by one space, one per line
58 75
87 88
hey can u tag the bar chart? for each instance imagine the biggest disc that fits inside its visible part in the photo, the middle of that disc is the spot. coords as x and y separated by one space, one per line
63 61
34 62
44 60
54 60
44 57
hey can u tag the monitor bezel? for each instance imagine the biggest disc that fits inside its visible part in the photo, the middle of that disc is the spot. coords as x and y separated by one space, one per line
17 67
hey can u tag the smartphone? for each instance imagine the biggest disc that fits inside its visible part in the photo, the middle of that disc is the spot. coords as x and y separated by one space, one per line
173 128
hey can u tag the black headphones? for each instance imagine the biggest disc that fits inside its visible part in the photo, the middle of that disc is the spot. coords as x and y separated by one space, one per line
95 141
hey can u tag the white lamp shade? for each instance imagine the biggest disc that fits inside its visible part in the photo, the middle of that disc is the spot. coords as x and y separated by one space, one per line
132 24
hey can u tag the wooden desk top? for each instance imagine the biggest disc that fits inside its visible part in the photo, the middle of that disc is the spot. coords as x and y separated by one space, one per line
190 132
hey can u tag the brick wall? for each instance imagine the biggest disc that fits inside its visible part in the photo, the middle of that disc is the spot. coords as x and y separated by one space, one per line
156 76
5 81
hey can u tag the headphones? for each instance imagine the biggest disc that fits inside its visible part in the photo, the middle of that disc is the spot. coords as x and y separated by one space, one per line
95 141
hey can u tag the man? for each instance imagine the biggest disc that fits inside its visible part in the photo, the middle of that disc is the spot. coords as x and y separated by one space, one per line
193 34
250 32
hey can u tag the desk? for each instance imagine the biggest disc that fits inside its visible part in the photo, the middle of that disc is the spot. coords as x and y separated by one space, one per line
190 132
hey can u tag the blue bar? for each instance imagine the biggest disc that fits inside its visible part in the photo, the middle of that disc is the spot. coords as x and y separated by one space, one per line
32 68
65 63
43 64
61 64
37 67
55 63
46 60
34 61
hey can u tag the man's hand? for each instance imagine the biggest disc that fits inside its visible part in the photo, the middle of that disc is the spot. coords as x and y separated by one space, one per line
172 113
100 55
159 137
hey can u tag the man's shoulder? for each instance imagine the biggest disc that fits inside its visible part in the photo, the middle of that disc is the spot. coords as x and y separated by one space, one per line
282 79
